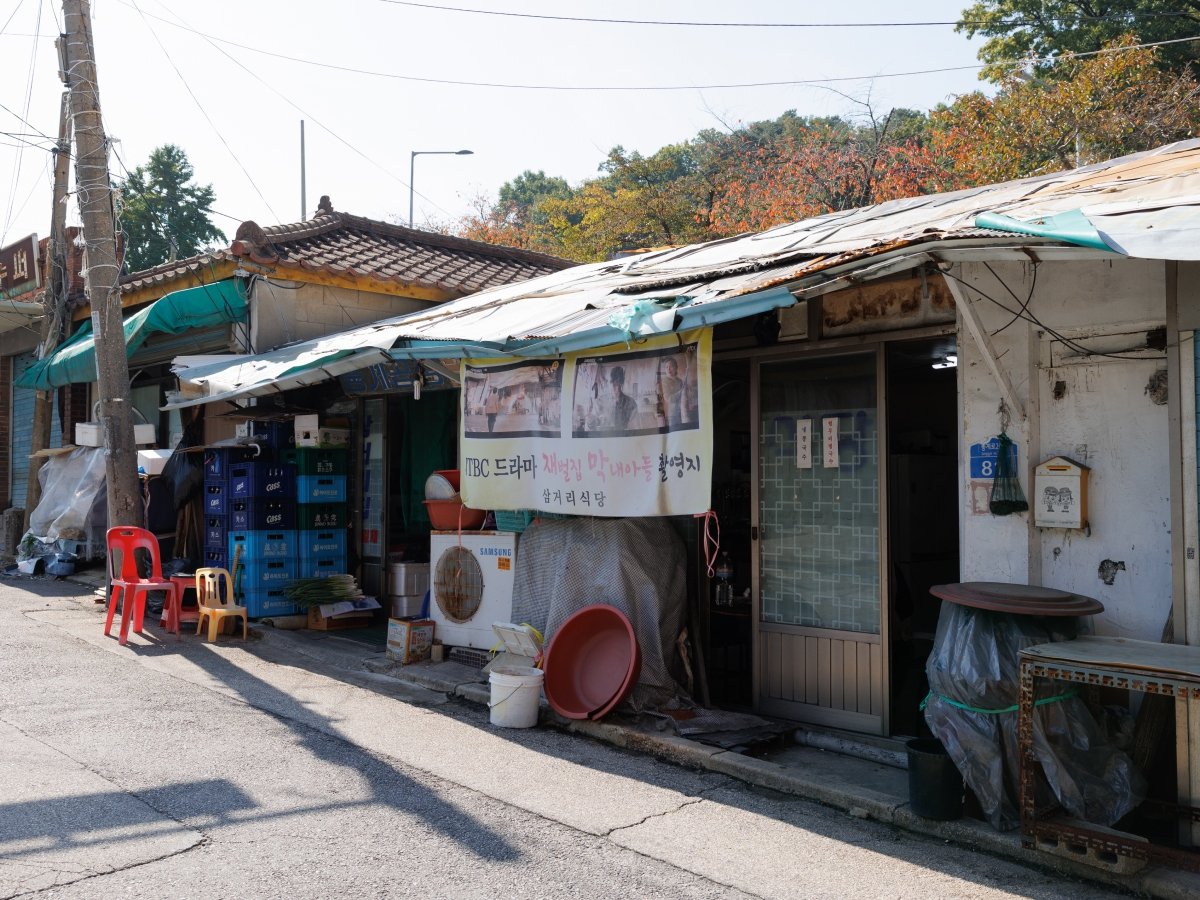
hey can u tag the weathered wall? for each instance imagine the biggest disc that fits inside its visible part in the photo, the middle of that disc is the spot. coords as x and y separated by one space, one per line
1100 411
280 315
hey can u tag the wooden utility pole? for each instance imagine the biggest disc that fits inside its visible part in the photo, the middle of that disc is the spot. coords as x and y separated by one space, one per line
54 300
103 271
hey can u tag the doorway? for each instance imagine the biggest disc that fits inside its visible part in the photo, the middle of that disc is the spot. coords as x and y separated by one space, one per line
923 539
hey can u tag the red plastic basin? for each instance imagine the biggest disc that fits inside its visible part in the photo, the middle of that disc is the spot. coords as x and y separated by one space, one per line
592 663
451 515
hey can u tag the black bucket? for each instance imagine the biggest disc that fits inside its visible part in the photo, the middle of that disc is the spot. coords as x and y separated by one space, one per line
935 789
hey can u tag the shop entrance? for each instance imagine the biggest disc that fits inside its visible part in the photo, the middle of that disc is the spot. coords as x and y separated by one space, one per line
819 648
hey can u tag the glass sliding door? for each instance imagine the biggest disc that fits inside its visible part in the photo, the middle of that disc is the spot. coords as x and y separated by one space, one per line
818 599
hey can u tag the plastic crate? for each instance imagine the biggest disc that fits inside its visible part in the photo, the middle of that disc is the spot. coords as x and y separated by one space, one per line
217 461
262 574
513 519
321 566
261 602
216 531
276 544
321 488
213 559
321 516
279 436
317 460
321 542
216 498
249 480
260 514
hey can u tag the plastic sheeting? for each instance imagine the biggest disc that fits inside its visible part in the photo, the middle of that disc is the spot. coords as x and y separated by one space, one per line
74 497
637 565
975 662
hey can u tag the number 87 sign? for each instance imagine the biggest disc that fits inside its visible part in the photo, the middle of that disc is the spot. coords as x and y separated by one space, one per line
985 456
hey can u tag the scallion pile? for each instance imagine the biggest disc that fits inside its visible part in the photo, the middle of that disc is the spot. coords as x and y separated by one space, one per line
308 592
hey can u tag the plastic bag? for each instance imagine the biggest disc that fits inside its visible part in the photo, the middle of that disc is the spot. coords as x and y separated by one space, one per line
974 681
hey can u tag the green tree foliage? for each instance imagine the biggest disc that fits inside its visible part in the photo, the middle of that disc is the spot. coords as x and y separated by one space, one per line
1045 28
164 216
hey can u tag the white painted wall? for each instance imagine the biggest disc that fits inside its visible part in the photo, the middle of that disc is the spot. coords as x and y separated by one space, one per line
298 312
1104 418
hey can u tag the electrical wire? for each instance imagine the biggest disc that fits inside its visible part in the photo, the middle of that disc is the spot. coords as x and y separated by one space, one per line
793 82
1032 319
958 23
204 113
16 175
1024 303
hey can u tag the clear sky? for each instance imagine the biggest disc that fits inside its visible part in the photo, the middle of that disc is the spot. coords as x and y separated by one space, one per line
211 76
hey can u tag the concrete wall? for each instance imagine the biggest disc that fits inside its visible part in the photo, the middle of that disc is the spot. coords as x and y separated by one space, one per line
1098 410
281 315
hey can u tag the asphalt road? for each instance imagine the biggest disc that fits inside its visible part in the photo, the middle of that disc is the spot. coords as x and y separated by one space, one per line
182 770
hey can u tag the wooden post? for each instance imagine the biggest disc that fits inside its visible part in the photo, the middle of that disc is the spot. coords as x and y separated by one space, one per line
54 299
103 270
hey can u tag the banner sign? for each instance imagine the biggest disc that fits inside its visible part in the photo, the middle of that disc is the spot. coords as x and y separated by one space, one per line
607 432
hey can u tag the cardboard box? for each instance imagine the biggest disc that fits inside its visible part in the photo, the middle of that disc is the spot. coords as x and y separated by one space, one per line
87 434
406 607
409 640
152 462
306 430
347 614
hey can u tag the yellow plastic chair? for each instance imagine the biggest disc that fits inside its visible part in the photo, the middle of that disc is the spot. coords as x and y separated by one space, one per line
216 605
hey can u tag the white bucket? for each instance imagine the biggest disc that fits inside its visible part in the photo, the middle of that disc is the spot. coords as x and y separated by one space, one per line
515 693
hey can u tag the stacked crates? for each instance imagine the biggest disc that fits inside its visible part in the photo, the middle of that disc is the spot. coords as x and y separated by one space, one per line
217 505
321 511
262 520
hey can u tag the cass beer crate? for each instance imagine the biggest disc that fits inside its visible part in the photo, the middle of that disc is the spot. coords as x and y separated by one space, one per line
250 480
321 488
265 574
260 602
276 544
216 530
322 542
260 514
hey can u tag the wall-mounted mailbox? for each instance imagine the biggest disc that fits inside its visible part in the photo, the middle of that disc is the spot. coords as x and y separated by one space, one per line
1060 494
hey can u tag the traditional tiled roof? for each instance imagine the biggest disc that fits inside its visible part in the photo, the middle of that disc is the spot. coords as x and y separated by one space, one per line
338 243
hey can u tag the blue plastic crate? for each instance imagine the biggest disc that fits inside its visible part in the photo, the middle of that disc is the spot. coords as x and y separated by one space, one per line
279 436
259 574
249 480
216 499
321 488
217 461
320 566
213 559
261 602
260 514
216 529
276 544
321 516
321 542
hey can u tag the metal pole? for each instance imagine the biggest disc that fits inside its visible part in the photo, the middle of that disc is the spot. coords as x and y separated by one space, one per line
303 199
412 165
94 192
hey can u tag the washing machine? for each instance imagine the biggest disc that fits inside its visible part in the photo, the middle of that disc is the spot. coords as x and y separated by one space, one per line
471 585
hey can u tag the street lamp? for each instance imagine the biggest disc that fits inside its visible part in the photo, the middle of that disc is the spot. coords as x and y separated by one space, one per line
412 163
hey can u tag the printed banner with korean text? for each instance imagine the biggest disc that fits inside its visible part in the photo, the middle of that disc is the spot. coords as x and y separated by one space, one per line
607 432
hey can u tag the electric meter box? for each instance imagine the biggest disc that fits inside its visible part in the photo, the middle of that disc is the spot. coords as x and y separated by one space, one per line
1060 494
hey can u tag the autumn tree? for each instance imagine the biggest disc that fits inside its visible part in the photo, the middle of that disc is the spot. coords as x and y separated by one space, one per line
1093 109
164 214
1017 29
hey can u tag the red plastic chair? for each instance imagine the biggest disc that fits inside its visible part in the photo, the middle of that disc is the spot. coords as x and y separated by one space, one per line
128 587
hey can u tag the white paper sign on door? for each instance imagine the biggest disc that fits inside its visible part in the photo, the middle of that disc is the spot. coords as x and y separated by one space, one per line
829 442
804 443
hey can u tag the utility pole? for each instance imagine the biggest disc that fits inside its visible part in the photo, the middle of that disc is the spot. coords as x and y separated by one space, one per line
103 271
54 299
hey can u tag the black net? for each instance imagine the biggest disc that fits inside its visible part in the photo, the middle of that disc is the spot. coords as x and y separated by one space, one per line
1007 497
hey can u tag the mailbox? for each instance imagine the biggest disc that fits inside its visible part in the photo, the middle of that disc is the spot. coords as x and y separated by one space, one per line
1060 494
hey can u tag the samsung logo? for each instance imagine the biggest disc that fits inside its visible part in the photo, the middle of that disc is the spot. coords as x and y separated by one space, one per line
494 551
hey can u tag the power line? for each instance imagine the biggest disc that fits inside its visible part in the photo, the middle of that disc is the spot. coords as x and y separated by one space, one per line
16 175
965 23
792 82
204 112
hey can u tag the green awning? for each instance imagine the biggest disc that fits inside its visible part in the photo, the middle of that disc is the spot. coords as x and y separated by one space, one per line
1071 227
74 362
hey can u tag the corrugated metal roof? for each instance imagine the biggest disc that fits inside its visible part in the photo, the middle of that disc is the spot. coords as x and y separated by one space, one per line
1145 205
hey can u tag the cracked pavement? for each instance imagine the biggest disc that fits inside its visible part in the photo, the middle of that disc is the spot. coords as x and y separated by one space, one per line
189 769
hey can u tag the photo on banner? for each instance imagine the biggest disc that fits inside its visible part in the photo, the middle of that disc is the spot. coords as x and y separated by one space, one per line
616 431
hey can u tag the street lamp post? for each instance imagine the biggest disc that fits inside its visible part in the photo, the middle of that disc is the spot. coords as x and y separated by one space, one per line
412 165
